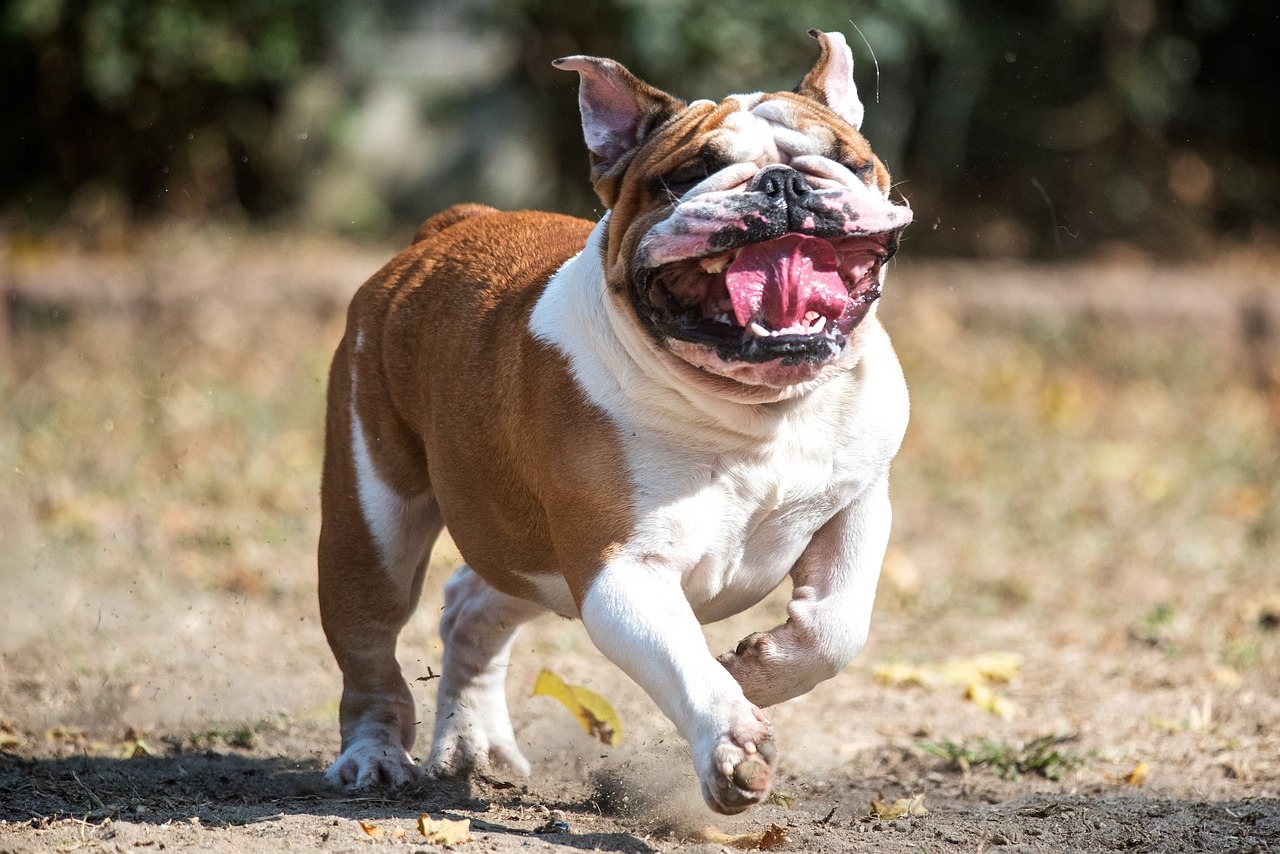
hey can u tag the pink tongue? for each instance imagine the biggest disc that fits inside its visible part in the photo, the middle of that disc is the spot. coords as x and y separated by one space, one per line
777 282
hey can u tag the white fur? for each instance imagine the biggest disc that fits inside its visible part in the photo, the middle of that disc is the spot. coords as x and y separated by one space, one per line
730 497
478 628
401 528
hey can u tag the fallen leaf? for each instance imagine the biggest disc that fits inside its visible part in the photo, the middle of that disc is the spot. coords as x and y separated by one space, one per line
990 667
1138 776
592 711
370 829
990 701
913 806
134 748
772 836
975 673
444 831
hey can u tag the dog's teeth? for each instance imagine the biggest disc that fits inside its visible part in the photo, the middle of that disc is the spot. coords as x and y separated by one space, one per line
818 325
714 265
759 330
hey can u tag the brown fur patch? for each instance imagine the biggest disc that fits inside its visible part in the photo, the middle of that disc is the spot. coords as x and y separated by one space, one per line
457 397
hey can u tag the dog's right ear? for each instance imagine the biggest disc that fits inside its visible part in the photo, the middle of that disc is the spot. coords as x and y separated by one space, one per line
618 112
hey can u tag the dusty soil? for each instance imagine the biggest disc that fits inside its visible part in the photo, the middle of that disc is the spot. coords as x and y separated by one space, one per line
1090 482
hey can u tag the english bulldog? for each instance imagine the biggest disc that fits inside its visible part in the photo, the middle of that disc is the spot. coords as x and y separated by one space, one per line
645 423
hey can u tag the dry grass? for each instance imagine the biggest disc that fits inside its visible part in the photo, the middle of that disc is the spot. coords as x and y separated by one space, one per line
1101 496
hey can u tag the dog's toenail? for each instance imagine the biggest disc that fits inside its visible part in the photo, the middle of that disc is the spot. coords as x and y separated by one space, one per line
750 775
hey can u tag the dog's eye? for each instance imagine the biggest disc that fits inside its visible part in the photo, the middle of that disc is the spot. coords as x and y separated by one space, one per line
684 179
866 172
689 174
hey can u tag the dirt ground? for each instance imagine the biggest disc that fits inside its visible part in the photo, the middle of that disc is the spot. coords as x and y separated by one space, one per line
1089 487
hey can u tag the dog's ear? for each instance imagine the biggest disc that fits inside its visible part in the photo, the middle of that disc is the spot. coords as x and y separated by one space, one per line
831 80
618 110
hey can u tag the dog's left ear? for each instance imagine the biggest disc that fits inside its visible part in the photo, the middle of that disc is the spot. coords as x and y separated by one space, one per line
831 80
618 111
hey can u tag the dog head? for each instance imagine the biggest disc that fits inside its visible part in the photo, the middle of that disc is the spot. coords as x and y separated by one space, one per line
749 236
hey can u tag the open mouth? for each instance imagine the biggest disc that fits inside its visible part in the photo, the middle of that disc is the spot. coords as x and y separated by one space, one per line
795 298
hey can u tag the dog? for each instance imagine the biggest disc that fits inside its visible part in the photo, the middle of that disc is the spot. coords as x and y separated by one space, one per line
645 423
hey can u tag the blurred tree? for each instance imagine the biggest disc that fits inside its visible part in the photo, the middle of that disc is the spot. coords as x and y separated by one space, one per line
1018 128
1014 128
113 106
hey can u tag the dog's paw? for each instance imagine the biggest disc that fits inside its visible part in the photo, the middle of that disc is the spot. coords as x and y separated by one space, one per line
753 665
741 768
372 763
454 754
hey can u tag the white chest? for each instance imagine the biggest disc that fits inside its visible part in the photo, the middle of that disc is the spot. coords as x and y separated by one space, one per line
733 524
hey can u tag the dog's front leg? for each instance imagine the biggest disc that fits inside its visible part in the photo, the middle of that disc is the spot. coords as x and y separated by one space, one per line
834 586
639 618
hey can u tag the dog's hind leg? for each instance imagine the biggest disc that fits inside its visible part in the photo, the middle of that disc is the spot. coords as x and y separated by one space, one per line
478 627
379 520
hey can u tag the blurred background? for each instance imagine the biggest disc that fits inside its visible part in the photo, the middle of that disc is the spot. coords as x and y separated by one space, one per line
1050 129
1086 308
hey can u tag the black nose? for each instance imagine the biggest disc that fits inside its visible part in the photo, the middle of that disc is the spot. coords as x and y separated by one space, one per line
781 183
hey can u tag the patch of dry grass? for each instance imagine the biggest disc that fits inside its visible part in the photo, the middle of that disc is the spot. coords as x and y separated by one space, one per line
185 444
1102 499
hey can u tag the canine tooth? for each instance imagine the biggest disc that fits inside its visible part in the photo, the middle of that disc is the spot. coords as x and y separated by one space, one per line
714 265
818 325
759 330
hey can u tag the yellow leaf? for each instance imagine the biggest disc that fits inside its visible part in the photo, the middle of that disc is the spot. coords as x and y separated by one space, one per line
1138 776
370 829
989 667
772 836
592 711
913 806
135 748
990 701
444 831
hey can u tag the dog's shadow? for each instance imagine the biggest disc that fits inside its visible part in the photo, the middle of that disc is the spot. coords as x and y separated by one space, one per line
228 790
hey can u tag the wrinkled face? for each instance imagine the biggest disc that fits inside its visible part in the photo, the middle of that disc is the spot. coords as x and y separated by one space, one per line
748 237
756 231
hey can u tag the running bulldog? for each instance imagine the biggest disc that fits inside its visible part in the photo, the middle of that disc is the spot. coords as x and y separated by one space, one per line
645 423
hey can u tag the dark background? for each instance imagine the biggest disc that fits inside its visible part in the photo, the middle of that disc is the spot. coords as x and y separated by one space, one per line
1018 128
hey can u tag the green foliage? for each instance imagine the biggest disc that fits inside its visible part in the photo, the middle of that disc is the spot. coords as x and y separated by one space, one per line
1038 756
118 103
1021 128
1016 128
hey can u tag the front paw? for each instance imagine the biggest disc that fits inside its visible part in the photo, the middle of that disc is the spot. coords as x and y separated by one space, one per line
741 769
